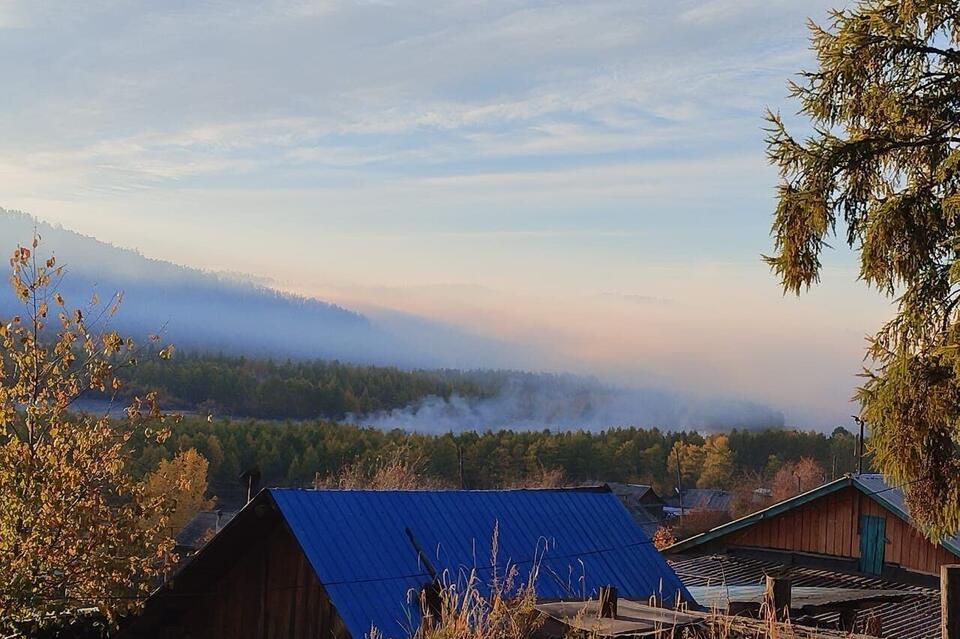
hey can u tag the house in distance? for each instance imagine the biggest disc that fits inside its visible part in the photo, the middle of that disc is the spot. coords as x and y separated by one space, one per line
336 563
857 522
854 532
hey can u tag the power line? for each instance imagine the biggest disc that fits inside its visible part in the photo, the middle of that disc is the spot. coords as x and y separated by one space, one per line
423 574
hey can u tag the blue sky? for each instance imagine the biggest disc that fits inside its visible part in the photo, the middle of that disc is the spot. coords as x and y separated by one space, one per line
589 176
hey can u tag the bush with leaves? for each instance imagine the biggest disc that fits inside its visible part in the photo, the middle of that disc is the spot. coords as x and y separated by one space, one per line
76 530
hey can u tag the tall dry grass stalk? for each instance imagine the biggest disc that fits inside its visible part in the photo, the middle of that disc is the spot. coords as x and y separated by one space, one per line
502 606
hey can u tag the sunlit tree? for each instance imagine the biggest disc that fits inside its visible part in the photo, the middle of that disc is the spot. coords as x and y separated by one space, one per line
691 457
76 531
718 468
181 483
880 169
797 477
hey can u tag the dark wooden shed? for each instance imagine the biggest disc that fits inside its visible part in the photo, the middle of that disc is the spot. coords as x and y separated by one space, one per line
252 582
335 563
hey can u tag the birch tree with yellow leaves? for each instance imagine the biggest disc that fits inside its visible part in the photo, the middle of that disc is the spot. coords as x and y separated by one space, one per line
76 529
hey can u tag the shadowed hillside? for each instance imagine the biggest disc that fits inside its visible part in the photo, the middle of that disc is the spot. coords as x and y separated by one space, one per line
231 313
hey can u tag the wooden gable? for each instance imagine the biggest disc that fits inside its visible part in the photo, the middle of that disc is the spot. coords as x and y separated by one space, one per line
830 525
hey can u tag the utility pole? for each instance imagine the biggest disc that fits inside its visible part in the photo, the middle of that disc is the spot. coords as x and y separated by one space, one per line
859 446
679 482
463 484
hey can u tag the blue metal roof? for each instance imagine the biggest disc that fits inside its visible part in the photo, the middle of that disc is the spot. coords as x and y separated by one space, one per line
357 543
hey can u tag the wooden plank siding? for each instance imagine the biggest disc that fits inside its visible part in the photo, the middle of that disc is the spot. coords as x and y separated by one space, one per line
830 526
269 593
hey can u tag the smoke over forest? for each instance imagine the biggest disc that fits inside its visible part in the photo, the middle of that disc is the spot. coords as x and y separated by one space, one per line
208 312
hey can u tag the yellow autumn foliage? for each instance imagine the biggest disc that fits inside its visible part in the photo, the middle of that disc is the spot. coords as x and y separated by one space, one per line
181 483
76 530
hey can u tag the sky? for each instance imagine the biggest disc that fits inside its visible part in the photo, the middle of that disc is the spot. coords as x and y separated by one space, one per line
586 177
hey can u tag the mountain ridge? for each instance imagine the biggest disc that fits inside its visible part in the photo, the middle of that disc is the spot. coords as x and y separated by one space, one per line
209 312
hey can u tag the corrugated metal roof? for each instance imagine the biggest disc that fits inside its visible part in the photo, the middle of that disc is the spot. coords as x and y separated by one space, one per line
702 498
916 617
200 525
802 598
357 543
893 498
871 485
649 516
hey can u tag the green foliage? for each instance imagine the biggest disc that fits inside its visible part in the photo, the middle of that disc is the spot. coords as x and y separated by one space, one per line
882 164
294 390
293 453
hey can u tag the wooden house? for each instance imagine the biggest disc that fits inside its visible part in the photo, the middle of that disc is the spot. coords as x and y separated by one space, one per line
336 563
642 502
704 499
857 523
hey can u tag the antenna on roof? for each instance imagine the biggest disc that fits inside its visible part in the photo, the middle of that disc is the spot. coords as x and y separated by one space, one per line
422 556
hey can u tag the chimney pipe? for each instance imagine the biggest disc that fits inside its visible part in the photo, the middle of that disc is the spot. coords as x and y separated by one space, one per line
251 481
859 451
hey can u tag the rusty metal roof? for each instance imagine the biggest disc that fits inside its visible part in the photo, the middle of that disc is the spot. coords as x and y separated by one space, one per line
916 616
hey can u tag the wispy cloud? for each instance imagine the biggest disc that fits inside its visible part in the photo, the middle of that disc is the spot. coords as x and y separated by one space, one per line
556 148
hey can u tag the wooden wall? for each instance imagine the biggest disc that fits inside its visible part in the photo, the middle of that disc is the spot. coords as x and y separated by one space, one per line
830 526
271 592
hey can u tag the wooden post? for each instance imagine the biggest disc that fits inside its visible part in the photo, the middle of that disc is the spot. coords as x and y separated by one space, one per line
950 601
431 603
848 619
777 597
608 602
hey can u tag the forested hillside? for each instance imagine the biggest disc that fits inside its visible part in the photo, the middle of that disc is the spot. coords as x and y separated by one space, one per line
435 400
240 386
293 453
232 312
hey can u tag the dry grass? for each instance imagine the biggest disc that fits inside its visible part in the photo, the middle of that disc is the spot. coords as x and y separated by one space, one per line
719 626
507 611
398 472
543 478
697 520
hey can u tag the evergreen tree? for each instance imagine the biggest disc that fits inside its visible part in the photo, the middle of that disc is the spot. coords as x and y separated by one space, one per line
881 167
